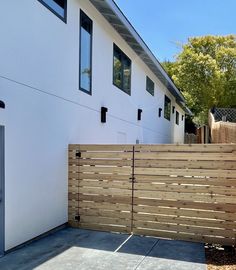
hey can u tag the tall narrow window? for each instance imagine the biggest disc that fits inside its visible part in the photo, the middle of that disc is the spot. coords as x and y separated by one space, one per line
58 7
167 108
150 86
117 68
85 75
121 70
177 118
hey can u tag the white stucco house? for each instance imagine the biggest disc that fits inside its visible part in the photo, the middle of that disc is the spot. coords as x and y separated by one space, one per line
72 71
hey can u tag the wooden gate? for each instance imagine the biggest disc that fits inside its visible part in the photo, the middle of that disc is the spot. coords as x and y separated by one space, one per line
185 192
100 188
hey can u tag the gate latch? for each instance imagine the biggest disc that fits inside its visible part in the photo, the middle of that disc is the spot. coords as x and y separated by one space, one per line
132 180
77 218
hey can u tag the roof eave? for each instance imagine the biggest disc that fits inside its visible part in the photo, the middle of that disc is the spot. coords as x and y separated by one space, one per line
185 108
117 19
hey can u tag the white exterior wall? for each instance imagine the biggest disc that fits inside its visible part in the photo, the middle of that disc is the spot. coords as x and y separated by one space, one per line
45 111
179 129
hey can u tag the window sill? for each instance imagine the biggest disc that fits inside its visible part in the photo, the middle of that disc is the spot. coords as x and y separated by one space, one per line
122 89
85 91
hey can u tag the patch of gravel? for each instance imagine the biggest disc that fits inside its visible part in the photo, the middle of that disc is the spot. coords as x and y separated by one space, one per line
220 258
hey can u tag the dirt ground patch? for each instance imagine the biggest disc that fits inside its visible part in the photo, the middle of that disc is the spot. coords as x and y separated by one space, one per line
219 258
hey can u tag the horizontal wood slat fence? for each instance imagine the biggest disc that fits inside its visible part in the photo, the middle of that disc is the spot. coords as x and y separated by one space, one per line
185 192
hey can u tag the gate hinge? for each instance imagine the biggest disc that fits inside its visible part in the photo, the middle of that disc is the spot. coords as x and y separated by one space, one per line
78 154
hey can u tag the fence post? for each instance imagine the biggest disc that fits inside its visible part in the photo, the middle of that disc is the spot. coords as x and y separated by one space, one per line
78 157
133 181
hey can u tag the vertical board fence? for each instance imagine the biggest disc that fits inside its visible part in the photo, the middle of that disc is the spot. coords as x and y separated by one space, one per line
221 131
185 192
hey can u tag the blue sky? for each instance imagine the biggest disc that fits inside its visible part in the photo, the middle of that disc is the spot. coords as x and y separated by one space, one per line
165 23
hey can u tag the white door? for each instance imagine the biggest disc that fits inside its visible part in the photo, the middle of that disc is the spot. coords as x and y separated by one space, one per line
2 176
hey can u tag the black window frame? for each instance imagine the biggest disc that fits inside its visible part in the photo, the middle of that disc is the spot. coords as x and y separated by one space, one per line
148 82
82 13
124 58
167 102
176 117
63 18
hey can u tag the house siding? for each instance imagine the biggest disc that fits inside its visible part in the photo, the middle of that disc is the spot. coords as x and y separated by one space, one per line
45 110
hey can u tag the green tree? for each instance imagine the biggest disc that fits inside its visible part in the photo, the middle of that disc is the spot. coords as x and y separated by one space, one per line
205 72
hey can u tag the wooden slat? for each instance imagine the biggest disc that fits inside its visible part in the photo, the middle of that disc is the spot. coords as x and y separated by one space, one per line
213 181
99 227
108 206
105 213
104 220
100 156
107 155
185 164
211 209
184 196
101 147
111 170
72 212
105 228
103 191
106 162
97 176
101 183
104 184
74 204
73 189
186 172
184 236
222 148
184 156
106 199
186 188
184 228
214 223
171 211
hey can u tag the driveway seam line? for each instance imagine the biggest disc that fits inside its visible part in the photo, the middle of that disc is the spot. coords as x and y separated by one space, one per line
136 267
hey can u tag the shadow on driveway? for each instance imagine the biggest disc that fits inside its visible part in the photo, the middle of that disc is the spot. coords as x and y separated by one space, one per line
71 249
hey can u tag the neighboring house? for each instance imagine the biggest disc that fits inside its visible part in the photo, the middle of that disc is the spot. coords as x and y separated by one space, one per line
62 63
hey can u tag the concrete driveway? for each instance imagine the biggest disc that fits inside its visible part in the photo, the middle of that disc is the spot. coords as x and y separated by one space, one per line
71 249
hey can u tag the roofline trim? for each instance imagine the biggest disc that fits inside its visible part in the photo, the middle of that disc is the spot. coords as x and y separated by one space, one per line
142 43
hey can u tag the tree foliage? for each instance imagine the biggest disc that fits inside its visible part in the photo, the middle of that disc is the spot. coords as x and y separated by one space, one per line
205 71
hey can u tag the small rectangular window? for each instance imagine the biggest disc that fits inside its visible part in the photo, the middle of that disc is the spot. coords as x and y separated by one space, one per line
177 118
150 85
121 70
58 7
85 56
167 108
